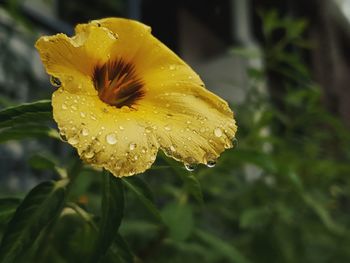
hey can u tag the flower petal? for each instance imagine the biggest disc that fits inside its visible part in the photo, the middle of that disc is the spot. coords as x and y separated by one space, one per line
75 57
193 127
152 59
104 136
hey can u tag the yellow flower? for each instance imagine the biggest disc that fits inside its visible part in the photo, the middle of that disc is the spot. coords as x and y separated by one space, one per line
124 95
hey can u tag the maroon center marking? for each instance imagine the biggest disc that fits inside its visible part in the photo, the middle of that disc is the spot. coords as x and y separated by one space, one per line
117 83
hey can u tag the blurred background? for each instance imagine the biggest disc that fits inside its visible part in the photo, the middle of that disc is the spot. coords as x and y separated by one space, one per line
283 193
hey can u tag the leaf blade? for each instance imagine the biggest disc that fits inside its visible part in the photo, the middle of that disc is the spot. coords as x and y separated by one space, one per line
40 207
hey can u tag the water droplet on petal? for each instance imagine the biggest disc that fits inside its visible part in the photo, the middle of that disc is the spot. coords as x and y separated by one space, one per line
89 154
111 138
132 146
64 106
73 107
136 157
55 82
190 167
121 128
172 148
172 67
202 130
148 130
167 128
85 132
218 132
82 114
73 140
211 164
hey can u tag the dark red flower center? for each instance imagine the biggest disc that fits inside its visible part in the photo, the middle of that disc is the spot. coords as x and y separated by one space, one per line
117 83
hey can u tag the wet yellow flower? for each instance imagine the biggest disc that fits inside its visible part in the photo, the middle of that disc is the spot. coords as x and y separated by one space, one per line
123 95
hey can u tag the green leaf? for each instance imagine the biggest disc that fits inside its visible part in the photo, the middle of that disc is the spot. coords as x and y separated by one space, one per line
178 218
42 108
7 208
123 249
323 214
40 162
39 208
142 195
112 214
228 251
27 131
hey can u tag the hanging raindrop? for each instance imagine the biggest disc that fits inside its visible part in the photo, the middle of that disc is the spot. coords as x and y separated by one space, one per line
190 166
55 82
211 164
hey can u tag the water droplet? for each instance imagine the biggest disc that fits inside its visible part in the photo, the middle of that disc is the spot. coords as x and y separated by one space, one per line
172 67
89 154
211 164
132 146
167 128
63 136
111 138
188 122
121 128
64 106
73 140
190 77
55 82
148 130
85 132
82 114
202 130
190 167
136 157
73 107
172 148
234 142
218 132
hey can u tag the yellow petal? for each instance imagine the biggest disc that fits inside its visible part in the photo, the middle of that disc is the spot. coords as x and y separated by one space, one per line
191 127
104 136
75 58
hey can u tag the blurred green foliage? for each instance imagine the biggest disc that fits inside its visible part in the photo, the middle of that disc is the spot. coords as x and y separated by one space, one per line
281 196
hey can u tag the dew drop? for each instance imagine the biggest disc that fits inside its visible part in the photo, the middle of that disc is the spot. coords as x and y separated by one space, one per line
218 132
148 130
85 132
172 148
202 130
172 67
73 107
121 128
167 128
136 157
73 140
111 138
89 154
132 146
64 106
211 164
82 114
55 82
234 142
63 136
190 167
